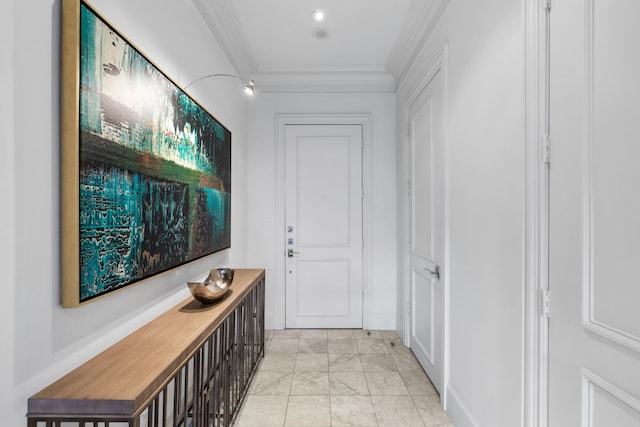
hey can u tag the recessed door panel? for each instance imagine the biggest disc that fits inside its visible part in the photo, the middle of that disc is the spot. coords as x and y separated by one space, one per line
422 323
614 172
422 181
607 410
324 288
323 186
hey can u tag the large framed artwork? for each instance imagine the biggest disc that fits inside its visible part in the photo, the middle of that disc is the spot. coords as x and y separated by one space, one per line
146 171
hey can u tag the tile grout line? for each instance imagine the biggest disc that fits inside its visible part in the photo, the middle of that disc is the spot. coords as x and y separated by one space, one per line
388 343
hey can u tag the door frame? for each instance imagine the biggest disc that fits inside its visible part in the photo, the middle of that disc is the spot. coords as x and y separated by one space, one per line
535 392
439 64
282 120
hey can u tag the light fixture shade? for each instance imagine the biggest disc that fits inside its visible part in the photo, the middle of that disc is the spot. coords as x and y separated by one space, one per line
250 88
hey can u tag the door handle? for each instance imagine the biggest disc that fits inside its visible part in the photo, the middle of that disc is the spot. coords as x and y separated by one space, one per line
291 253
435 273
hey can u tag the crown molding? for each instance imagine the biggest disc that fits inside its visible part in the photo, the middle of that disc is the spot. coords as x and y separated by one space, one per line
219 18
424 17
324 81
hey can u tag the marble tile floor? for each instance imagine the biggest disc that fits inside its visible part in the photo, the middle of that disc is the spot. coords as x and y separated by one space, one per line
342 377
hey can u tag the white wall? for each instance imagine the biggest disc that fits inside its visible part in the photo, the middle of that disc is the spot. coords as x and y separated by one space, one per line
40 340
486 173
7 213
262 229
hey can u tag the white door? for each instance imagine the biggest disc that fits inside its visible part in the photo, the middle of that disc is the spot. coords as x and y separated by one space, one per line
594 325
426 227
324 226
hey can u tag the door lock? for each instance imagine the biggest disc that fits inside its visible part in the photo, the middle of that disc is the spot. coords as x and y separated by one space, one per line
291 253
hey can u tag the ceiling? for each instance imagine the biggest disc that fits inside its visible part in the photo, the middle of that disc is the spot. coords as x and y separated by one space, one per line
368 44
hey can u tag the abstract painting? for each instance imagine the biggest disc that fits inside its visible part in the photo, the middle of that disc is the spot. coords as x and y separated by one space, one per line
152 185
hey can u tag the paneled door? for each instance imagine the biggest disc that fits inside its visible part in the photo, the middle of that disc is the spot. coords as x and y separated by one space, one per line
323 226
426 226
594 324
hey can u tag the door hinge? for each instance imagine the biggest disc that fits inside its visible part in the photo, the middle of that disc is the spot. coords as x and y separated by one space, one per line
408 129
544 303
546 5
546 149
408 309
409 188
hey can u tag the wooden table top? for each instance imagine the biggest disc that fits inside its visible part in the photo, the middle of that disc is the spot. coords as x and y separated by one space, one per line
122 379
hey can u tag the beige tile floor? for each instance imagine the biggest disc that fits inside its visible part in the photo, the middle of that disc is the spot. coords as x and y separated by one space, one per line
343 377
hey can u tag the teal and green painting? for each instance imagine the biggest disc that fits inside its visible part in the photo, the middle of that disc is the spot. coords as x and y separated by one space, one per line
155 167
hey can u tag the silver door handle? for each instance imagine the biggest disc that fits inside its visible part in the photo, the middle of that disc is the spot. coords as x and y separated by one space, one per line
435 273
291 253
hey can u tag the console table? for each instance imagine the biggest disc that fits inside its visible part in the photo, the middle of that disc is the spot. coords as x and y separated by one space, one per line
188 367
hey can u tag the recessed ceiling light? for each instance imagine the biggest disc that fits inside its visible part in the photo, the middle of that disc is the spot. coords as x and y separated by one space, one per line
318 15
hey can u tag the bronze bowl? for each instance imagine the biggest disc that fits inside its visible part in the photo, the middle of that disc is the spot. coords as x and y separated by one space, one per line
214 287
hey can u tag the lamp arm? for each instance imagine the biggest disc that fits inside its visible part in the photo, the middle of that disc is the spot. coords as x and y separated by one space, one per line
245 83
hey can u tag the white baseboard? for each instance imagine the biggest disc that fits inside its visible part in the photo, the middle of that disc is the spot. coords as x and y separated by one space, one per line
382 322
458 412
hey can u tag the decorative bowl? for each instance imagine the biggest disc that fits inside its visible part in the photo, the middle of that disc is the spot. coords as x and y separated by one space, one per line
221 277
214 287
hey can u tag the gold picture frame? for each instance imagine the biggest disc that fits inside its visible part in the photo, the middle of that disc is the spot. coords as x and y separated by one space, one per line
145 170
